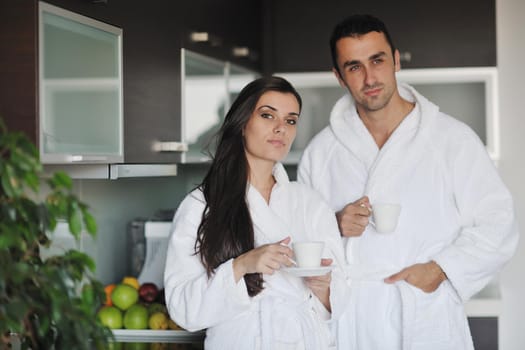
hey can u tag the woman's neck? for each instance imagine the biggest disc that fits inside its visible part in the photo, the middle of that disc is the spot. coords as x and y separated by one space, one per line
261 177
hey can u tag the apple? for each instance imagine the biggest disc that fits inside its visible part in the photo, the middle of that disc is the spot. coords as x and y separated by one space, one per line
173 325
158 320
110 317
123 296
148 292
157 307
136 317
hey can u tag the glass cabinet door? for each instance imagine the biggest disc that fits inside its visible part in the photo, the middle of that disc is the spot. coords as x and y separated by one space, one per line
204 102
208 88
80 88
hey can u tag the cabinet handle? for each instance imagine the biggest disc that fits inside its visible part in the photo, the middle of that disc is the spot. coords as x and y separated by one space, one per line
241 51
205 37
405 56
170 146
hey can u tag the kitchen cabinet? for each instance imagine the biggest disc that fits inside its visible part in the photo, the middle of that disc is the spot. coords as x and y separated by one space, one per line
445 33
153 35
80 88
217 83
51 88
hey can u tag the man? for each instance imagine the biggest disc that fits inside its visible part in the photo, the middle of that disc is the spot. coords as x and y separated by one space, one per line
387 143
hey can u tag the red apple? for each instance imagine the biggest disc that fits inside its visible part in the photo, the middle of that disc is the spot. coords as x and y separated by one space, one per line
148 292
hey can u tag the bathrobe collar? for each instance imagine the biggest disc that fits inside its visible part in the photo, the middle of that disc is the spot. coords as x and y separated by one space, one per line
350 130
404 146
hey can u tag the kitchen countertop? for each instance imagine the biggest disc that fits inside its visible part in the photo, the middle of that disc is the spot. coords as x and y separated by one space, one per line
486 303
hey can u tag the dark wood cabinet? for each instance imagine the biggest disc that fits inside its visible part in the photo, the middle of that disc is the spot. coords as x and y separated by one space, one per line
18 66
435 34
282 36
153 34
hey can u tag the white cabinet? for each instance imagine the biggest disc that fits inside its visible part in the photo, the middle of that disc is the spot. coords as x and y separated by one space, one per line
80 88
469 94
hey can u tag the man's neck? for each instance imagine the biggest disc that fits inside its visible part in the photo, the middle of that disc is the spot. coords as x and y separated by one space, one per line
382 123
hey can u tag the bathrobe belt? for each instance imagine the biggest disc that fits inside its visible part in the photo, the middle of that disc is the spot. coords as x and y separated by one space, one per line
377 274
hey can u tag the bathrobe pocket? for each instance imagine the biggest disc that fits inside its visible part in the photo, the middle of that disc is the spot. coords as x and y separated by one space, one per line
433 311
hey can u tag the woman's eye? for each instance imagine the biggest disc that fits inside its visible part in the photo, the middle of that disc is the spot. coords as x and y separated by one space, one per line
266 115
291 121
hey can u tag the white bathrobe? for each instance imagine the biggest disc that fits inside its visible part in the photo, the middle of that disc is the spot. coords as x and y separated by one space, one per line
455 211
285 315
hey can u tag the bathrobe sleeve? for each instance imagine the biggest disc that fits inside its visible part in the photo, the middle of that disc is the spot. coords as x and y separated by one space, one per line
488 233
195 301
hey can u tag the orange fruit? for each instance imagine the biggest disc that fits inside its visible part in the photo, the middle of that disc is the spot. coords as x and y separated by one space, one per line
131 281
109 289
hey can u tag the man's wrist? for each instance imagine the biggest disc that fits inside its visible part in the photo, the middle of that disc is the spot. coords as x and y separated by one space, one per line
443 276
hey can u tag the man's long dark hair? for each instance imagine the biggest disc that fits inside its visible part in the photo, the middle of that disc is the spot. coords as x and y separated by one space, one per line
226 230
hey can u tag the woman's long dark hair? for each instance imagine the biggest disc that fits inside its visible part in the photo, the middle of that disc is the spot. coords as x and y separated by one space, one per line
226 229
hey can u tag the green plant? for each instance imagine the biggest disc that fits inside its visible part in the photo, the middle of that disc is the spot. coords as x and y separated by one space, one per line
48 303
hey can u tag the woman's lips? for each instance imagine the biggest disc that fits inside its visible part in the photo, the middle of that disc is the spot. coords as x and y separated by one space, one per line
278 143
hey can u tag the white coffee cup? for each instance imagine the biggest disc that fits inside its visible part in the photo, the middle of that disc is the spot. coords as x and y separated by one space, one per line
308 254
385 216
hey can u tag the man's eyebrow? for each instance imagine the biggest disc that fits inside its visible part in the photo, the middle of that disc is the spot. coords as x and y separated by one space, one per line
371 58
377 55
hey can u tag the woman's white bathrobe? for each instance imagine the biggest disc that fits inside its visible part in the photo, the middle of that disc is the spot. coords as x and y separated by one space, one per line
285 315
455 210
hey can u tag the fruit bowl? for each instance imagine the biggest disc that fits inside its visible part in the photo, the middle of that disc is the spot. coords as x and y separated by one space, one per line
158 336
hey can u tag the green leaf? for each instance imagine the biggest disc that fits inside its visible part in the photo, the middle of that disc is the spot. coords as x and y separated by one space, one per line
9 183
32 180
8 239
89 221
75 220
61 179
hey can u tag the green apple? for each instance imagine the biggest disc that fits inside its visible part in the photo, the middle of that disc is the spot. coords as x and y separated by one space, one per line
123 296
157 307
136 317
110 317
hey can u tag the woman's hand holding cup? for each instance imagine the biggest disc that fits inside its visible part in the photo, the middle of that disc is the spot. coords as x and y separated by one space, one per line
264 259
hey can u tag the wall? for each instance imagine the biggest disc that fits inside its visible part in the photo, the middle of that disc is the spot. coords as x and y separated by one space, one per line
510 34
114 203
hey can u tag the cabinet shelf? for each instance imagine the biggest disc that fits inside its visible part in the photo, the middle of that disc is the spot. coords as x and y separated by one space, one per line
158 336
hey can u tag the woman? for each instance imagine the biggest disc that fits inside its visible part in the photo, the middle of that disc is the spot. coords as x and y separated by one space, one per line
230 241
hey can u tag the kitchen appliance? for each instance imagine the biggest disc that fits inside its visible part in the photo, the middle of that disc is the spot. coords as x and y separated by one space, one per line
147 248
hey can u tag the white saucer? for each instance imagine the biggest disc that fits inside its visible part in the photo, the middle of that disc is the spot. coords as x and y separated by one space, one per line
308 271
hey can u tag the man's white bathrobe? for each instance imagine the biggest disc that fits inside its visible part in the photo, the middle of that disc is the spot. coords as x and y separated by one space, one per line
455 211
285 315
